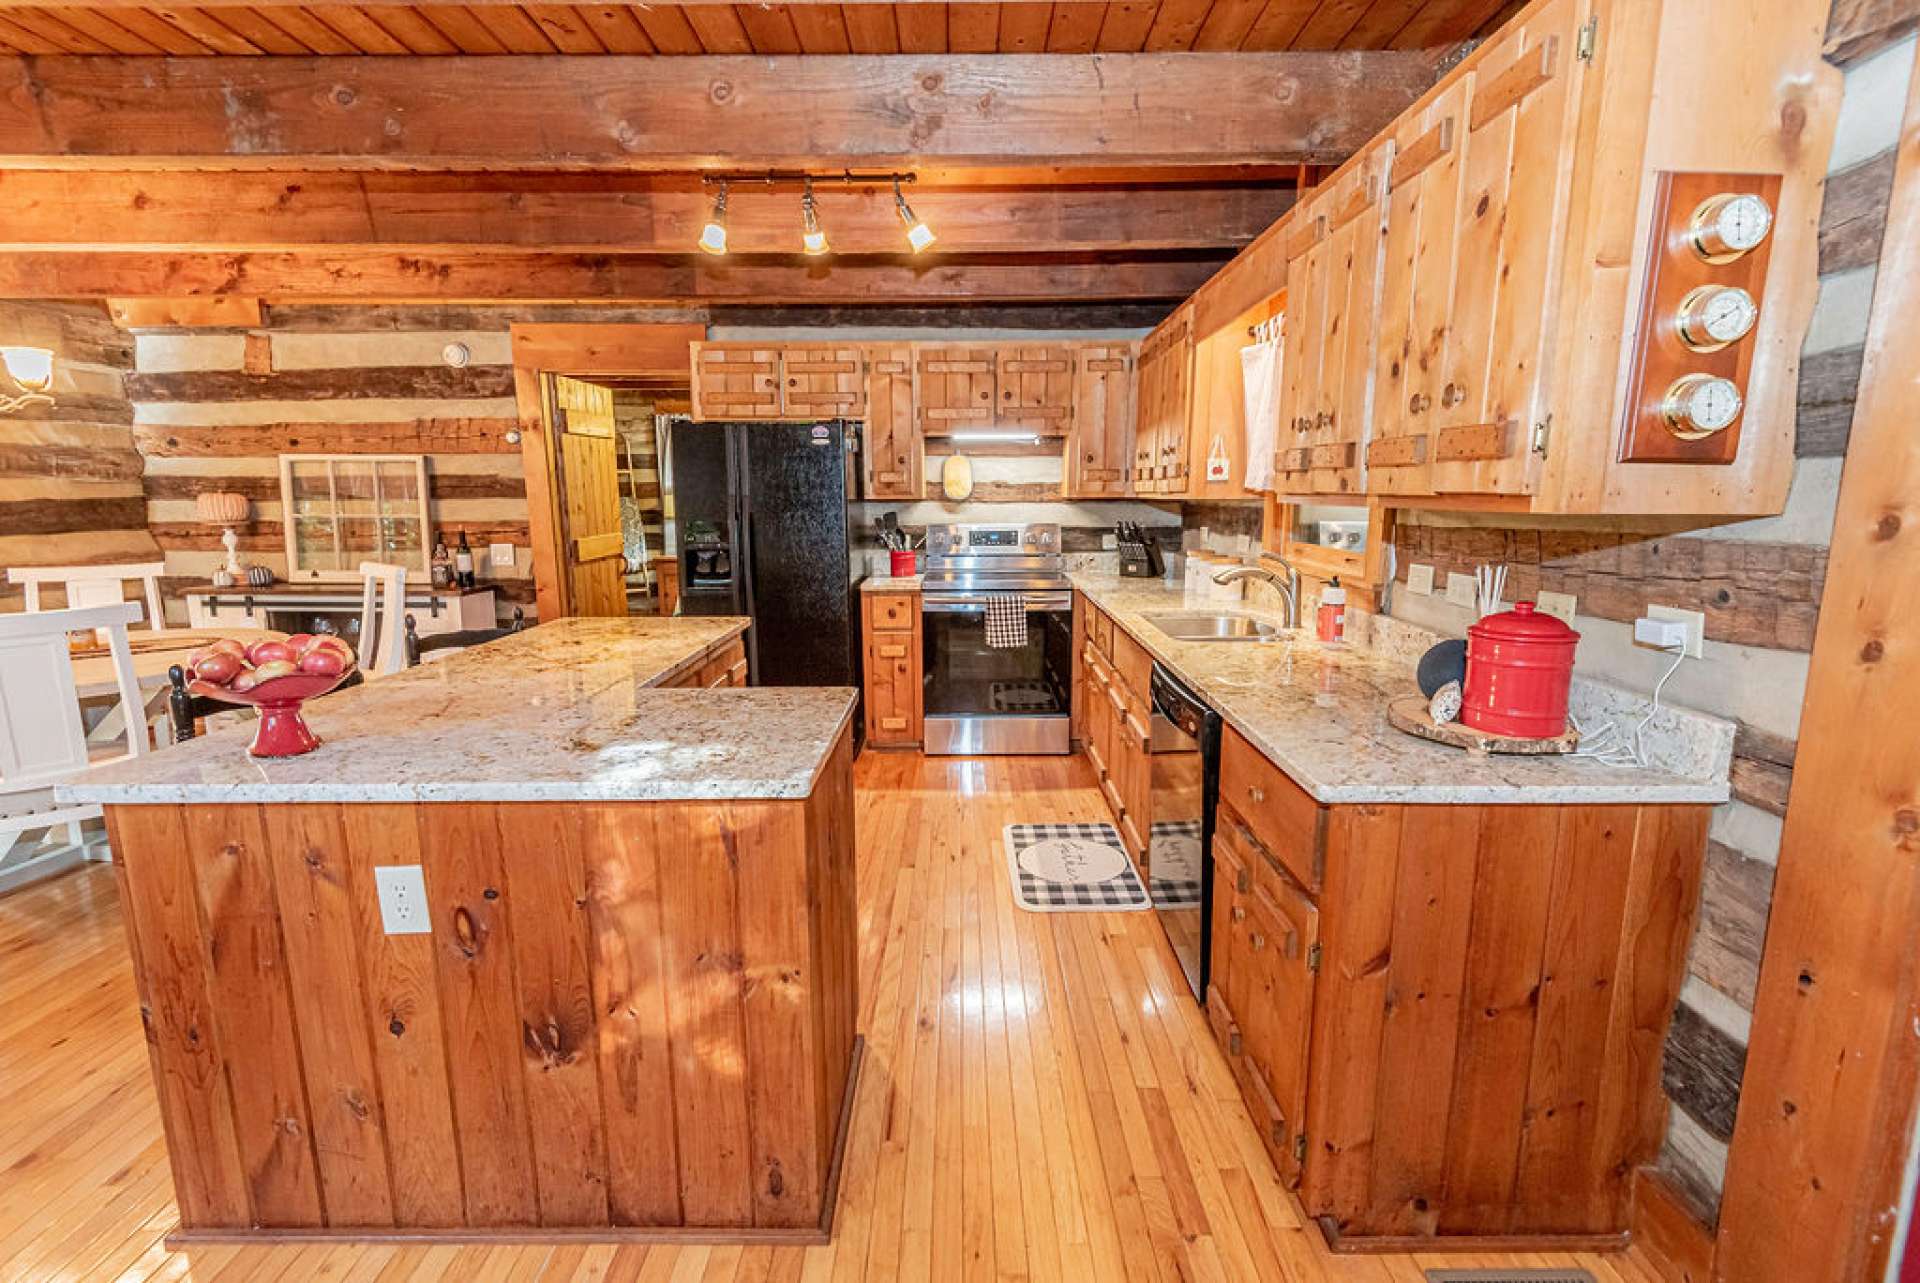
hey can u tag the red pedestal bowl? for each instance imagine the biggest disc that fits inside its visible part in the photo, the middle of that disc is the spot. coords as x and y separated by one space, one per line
282 731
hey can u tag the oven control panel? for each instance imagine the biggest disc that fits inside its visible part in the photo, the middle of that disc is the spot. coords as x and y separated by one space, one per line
975 540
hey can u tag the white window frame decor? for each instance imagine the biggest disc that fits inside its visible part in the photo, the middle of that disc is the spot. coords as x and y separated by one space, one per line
418 566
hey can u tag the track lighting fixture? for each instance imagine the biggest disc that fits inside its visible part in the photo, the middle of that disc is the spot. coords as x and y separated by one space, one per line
919 235
713 237
812 238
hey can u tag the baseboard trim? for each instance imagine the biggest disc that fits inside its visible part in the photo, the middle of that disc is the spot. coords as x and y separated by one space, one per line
1668 1234
1358 1244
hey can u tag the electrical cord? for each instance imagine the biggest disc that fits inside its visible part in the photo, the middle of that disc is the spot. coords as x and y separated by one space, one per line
1606 746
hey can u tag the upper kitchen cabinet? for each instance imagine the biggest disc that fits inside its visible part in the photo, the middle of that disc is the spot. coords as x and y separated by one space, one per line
802 381
956 389
735 381
893 461
1034 388
823 381
1100 442
1217 433
1166 401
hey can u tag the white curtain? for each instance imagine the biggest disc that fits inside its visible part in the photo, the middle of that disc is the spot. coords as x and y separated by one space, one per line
1260 377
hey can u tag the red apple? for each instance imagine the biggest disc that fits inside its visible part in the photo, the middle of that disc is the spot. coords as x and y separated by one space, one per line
298 642
273 668
217 666
206 689
229 645
327 641
243 681
267 651
323 661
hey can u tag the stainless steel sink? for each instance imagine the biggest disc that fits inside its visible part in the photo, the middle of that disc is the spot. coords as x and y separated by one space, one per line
1197 626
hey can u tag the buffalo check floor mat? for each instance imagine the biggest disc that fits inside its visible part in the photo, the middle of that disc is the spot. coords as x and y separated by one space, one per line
1072 868
1173 863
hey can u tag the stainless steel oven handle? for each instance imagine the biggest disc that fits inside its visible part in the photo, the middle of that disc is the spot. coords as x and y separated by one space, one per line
974 605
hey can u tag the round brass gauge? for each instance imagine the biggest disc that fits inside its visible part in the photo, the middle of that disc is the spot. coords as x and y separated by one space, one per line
1699 405
1713 316
1725 226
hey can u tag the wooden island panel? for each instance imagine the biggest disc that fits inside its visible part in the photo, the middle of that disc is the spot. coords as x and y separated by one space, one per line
627 1018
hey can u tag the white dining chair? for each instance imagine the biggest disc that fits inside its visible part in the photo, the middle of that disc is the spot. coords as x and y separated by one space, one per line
102 585
43 738
383 648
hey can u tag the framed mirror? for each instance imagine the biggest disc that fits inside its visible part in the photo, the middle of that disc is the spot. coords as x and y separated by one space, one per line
342 509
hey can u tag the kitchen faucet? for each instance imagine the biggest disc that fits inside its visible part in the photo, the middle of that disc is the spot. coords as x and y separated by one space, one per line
1288 588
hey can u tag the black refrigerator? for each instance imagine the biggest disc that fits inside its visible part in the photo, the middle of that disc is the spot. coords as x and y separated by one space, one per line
764 521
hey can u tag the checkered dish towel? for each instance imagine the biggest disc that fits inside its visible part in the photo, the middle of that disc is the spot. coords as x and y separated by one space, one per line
1006 621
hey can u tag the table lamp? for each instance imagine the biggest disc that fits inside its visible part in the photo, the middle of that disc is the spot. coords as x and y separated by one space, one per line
225 508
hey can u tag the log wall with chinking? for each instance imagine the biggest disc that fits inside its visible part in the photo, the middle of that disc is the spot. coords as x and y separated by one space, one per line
635 1016
70 490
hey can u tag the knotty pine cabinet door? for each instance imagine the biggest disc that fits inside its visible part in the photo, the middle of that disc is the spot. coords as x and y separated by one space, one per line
823 381
1303 349
1347 285
734 382
893 462
1035 388
1100 441
1166 402
956 389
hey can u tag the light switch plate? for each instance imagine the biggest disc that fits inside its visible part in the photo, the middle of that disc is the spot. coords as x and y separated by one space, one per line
402 889
1558 604
1420 579
1695 621
1461 590
500 555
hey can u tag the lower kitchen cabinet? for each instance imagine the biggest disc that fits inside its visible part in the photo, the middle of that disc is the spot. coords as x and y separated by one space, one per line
1458 1035
890 637
1116 722
723 665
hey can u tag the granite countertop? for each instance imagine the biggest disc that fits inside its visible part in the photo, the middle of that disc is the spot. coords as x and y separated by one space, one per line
1319 712
566 711
891 583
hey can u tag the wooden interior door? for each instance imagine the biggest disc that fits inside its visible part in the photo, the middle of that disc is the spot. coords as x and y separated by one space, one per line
592 544
1517 140
1101 440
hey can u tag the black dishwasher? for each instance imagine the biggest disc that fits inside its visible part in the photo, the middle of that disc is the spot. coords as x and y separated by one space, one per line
1186 788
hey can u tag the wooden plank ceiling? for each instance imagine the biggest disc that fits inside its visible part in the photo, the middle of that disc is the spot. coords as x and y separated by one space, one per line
695 29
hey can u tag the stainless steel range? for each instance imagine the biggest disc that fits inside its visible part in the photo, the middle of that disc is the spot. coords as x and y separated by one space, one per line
1003 689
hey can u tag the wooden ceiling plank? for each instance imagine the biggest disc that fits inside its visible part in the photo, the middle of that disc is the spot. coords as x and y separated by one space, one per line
1278 25
871 29
203 26
357 28
101 24
24 40
1330 24
164 36
411 28
1124 27
1023 26
513 27
719 29
458 24
617 28
61 35
581 113
1383 20
1176 25
1227 25
822 28
566 28
280 212
922 25
255 28
1074 26
973 28
769 28
668 28
1443 22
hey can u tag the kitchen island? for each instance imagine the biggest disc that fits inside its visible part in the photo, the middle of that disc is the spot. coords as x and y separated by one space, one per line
609 993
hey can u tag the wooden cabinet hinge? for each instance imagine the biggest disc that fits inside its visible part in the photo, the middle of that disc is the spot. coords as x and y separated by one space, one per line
1541 431
1588 39
1313 957
1299 1147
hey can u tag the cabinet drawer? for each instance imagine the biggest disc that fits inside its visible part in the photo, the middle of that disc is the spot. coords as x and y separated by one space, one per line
894 610
1287 822
716 668
1133 664
1100 627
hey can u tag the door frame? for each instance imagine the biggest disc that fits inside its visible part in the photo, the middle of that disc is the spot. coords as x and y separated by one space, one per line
582 350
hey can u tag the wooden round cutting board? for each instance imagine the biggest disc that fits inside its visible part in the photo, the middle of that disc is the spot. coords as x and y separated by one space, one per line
1409 713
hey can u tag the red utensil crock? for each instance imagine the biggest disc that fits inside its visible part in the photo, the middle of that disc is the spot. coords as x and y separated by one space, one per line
1519 668
902 563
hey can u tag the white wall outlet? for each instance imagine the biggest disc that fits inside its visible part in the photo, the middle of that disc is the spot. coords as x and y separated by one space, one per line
1461 590
402 889
500 555
1558 604
1420 579
1695 621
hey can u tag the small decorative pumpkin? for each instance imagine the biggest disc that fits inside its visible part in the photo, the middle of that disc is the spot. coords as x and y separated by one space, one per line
259 577
222 578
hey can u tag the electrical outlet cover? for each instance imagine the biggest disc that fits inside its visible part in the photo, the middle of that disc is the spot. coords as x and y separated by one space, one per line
1695 621
402 891
1420 579
1461 590
500 555
1558 604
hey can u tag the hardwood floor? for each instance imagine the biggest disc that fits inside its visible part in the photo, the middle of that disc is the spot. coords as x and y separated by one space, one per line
1041 1100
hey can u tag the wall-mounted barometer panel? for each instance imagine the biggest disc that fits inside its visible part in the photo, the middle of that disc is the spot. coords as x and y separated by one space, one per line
1694 334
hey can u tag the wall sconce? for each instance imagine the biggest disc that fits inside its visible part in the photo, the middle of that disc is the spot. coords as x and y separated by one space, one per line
225 508
30 369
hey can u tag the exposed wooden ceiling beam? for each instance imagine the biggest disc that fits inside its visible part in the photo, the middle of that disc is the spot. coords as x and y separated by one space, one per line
401 278
563 112
259 211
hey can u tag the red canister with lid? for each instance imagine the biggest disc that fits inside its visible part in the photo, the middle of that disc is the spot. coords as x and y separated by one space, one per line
1519 666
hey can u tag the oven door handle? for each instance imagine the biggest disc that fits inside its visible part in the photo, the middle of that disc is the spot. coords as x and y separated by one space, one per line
974 605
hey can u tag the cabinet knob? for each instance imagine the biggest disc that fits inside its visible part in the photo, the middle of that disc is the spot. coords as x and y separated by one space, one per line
1239 914
1453 394
1257 940
793 383
1256 794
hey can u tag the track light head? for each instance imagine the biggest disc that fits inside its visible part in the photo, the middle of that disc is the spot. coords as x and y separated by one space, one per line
713 237
813 239
919 235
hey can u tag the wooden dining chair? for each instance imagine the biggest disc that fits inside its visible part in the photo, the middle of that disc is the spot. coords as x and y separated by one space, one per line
96 585
43 738
383 600
418 645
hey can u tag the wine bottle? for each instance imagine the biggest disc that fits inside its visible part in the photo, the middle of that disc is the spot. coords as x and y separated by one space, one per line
463 561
